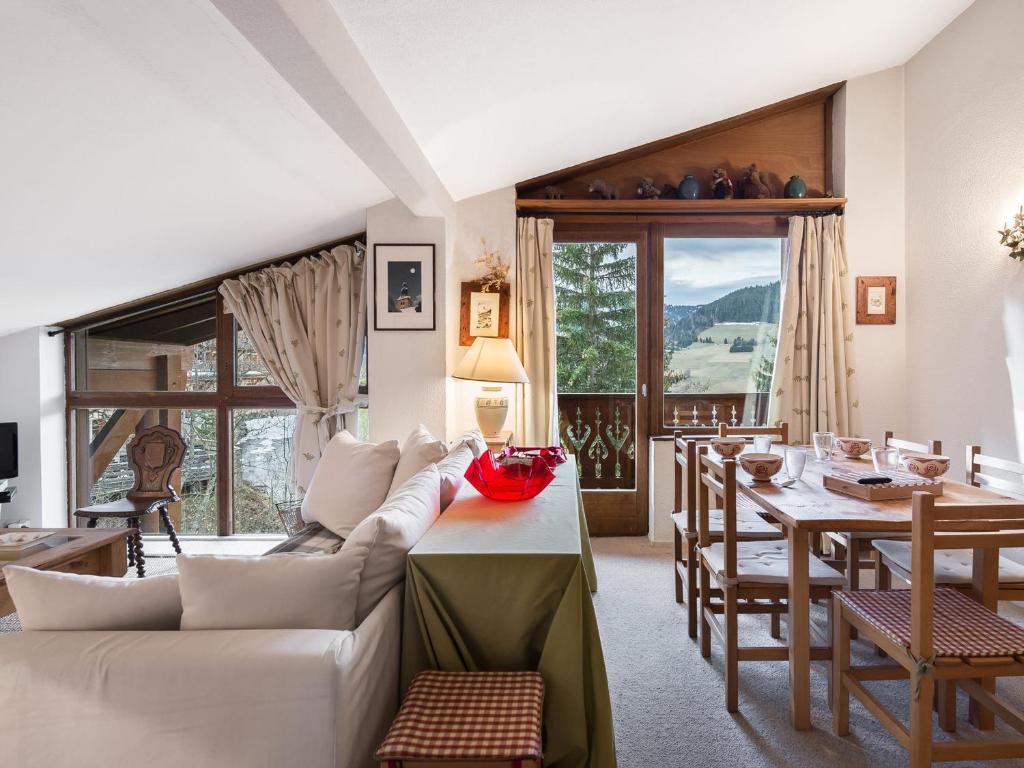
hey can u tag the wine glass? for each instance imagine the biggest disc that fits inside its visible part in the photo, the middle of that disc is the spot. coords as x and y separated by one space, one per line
824 444
796 460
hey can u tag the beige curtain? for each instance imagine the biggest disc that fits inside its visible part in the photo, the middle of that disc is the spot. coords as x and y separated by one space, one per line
307 321
814 386
536 419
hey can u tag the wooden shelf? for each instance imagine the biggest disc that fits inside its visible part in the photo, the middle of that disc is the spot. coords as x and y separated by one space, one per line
785 206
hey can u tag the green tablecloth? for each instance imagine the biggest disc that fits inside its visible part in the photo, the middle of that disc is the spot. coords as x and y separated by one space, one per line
506 586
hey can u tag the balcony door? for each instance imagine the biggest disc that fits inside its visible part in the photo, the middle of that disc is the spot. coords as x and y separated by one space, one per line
601 295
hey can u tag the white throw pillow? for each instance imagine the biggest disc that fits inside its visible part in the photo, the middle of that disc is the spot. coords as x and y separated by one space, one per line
453 472
53 600
421 449
270 591
389 534
351 480
474 438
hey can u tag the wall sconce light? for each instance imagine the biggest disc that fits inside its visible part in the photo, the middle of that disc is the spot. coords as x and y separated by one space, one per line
1013 237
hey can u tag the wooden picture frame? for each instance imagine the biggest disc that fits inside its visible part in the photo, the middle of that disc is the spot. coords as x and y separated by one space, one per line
404 287
876 300
467 332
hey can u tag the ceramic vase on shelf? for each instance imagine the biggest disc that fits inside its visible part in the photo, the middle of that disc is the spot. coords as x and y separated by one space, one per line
689 188
795 188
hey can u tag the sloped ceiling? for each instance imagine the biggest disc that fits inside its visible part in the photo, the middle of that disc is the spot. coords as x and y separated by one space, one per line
146 145
503 91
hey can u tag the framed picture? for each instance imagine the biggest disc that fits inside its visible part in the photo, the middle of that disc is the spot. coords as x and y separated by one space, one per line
483 314
403 280
876 300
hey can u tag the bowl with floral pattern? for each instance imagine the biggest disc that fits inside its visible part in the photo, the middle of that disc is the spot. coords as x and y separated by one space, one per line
853 447
761 466
927 465
728 447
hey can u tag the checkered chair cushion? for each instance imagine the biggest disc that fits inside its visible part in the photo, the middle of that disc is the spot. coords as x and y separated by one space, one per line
962 627
314 539
481 716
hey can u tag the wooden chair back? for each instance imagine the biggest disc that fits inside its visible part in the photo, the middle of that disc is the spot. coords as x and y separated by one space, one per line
155 454
686 452
932 446
980 469
780 433
954 526
718 482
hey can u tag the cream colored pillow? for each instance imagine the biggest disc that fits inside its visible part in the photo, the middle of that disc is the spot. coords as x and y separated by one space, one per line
53 600
453 472
271 591
389 534
351 480
421 449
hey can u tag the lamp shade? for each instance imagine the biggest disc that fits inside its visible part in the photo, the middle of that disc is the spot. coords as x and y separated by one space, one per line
492 360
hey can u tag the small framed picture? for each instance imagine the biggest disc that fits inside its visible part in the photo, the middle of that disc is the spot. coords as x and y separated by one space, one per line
403 279
876 300
483 313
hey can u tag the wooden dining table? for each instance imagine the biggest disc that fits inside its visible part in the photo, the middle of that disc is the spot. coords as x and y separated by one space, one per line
808 509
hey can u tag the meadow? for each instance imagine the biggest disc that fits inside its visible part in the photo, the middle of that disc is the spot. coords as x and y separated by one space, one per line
714 365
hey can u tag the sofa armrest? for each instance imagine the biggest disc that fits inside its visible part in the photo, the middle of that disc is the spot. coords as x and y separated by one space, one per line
204 698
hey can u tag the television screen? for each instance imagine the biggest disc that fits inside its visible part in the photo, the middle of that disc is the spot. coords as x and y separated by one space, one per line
8 450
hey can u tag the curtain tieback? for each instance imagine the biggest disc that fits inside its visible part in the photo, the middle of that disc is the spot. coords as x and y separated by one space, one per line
320 413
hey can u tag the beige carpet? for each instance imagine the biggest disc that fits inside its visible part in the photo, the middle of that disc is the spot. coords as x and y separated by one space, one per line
669 703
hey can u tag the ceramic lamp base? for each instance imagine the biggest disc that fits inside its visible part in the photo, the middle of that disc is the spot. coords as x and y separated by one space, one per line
491 410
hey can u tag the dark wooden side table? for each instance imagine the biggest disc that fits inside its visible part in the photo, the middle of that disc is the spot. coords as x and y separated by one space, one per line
131 511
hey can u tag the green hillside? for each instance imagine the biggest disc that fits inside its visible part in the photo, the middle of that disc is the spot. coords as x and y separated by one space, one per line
755 303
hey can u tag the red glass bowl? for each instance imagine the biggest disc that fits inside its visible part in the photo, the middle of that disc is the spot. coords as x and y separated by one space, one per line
553 455
512 482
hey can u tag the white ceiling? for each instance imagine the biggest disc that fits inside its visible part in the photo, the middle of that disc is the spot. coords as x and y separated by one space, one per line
504 90
146 145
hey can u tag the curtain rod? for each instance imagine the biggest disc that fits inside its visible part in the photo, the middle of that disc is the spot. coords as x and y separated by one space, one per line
191 299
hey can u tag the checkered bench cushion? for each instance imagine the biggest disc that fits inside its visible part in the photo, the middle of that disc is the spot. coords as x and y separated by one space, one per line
459 716
314 539
962 627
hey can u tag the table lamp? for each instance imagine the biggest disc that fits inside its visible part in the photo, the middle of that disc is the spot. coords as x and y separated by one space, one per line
493 360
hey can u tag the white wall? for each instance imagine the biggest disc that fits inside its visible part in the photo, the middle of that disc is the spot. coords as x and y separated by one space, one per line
965 178
407 369
32 394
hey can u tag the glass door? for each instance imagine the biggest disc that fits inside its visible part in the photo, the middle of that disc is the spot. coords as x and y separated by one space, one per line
600 282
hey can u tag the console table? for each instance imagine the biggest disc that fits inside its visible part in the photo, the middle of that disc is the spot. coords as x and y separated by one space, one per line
498 586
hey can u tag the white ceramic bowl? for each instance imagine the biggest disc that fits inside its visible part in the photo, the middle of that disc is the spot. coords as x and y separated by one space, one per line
927 465
761 466
727 447
853 447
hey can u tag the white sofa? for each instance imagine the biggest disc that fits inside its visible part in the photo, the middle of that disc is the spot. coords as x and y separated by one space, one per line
201 699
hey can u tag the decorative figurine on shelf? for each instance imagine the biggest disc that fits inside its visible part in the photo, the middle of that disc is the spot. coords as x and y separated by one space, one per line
795 188
1013 236
554 193
602 189
689 188
752 187
647 190
669 192
721 185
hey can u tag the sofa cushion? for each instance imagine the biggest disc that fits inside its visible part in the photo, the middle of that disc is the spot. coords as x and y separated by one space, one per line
452 469
389 534
351 481
420 449
270 591
53 600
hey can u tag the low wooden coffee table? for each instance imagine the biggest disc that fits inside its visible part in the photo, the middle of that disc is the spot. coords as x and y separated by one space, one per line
93 551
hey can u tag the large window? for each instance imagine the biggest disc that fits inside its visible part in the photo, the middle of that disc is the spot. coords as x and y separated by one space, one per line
185 365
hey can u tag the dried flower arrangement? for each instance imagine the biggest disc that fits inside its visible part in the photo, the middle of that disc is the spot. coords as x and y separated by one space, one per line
1013 237
495 269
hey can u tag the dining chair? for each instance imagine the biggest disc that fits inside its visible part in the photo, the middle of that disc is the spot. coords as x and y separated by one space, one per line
750 526
934 634
779 433
849 548
744 573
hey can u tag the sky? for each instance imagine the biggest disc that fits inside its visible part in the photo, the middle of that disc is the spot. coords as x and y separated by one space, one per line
702 269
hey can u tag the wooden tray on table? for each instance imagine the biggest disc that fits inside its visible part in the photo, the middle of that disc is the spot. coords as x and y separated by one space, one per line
903 485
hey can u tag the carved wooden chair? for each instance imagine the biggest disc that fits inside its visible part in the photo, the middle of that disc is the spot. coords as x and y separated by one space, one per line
849 548
780 433
154 454
745 572
935 635
750 527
